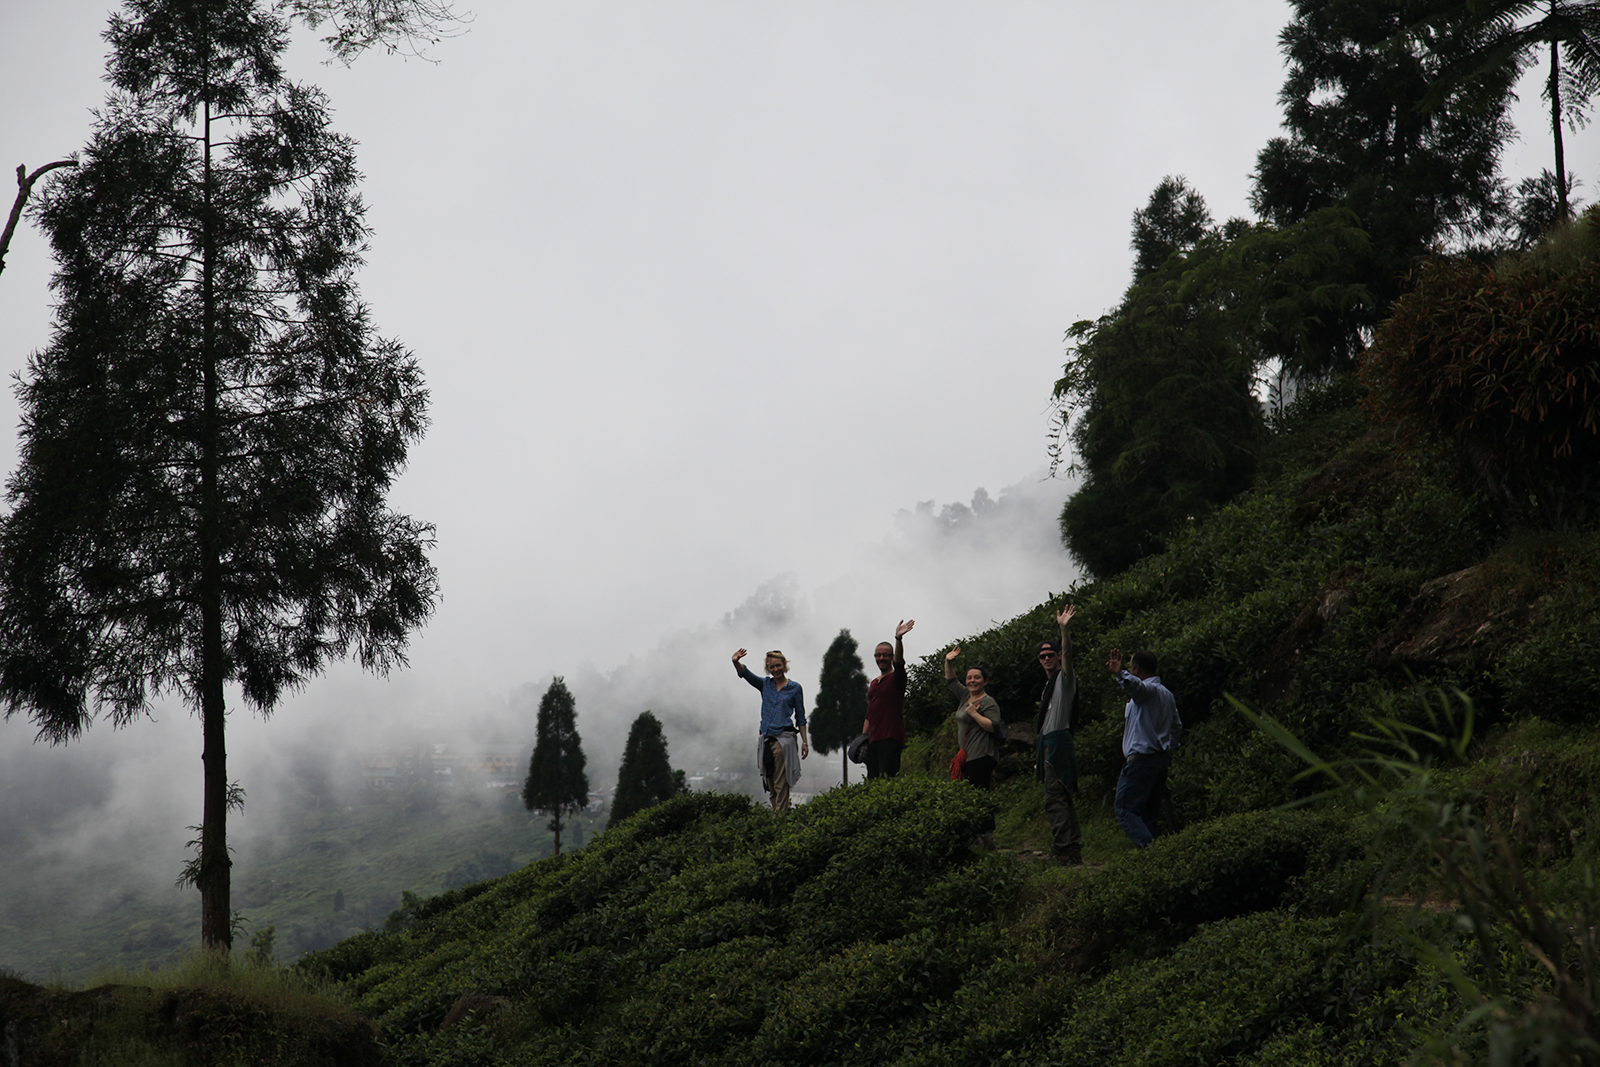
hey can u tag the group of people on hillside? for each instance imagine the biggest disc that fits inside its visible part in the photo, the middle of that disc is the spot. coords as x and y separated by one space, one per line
1151 728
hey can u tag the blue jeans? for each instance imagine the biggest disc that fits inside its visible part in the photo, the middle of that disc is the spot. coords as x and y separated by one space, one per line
1142 776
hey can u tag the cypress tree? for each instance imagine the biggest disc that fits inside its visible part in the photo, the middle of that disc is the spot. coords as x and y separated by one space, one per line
841 699
646 777
209 437
557 784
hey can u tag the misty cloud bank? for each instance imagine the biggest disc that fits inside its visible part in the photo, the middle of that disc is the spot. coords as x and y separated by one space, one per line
88 826
956 569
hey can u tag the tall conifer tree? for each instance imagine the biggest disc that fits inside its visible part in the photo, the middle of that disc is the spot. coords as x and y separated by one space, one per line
557 784
841 699
209 437
1377 124
646 777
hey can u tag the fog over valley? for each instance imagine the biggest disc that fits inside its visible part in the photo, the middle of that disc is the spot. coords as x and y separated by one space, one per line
94 832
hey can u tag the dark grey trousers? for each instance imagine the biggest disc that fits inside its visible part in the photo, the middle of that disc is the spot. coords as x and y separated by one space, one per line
1065 836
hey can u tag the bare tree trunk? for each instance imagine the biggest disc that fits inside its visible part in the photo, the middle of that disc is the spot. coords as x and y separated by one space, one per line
214 882
1555 125
24 187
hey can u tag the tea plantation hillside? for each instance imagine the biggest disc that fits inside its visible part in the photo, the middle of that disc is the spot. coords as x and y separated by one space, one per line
1425 890
1385 654
861 929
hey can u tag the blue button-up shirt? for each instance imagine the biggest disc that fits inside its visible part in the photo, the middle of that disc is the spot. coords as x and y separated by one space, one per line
777 705
1150 722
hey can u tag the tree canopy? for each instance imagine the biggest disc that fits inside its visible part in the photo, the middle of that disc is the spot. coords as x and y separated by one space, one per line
1159 394
646 777
841 697
1390 153
557 784
209 437
353 26
1173 221
1502 40
1362 133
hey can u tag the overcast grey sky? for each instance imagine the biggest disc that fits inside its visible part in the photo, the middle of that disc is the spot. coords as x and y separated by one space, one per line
707 290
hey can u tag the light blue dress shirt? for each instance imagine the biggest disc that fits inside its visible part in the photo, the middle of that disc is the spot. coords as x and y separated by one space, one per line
1150 722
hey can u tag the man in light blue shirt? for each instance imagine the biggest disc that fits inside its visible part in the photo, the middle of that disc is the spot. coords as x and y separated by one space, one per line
1150 731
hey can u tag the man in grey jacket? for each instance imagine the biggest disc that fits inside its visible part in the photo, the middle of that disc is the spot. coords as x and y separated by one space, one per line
1055 755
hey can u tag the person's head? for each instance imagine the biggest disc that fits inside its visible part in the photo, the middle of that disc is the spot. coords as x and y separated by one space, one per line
1050 656
883 656
777 663
1143 664
977 680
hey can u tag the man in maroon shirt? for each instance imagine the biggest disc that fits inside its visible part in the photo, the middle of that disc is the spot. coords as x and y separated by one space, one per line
885 724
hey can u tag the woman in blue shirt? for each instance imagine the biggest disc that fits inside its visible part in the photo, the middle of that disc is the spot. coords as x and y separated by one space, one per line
783 715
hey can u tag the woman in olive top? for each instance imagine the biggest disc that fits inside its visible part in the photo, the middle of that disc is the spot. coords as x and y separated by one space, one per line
976 712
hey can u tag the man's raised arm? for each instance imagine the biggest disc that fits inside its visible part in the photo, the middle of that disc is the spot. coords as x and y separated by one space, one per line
1062 620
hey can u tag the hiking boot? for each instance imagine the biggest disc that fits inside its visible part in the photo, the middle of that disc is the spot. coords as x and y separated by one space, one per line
1072 857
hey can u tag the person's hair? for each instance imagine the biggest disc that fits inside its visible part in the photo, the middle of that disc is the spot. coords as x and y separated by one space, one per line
1145 660
883 644
775 654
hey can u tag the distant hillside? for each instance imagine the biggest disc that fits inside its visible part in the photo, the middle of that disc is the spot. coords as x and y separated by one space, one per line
326 873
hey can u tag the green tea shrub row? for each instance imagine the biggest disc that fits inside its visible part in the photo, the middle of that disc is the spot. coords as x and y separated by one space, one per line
651 908
1255 861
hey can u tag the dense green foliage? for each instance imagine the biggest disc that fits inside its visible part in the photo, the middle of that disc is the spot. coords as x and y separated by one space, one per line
1391 150
1279 597
863 928
1387 853
707 931
646 776
1504 365
1159 391
1173 221
1359 136
689 921
557 784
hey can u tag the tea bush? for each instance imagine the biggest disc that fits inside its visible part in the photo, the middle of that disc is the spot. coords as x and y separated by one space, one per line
1270 988
567 941
1149 901
1553 670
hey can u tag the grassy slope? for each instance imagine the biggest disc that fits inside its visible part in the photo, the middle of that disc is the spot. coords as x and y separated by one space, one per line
205 1011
